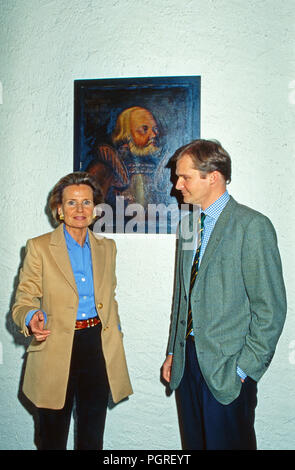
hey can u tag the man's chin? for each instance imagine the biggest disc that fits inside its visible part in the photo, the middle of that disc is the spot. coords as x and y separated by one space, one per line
149 150
186 199
190 200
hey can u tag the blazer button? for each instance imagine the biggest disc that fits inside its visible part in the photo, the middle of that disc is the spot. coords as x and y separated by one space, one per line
99 305
182 344
182 322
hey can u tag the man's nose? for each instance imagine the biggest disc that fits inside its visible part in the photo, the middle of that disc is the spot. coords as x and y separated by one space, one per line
179 184
152 134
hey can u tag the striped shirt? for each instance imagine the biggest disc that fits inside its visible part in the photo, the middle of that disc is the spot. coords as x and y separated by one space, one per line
212 213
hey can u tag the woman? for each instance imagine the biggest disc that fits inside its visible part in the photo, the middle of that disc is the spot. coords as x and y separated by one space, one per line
66 300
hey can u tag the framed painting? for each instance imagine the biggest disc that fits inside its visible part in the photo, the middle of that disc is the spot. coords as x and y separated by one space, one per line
126 131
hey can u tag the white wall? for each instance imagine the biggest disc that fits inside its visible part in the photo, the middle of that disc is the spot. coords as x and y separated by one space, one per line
244 52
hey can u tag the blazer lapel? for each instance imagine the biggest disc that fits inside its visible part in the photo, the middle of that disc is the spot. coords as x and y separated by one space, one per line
188 245
59 251
98 256
216 236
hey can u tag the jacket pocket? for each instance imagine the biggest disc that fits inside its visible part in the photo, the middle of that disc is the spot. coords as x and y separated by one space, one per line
36 345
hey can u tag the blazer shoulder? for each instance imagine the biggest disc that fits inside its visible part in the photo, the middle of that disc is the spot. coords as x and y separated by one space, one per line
246 213
245 216
40 240
108 242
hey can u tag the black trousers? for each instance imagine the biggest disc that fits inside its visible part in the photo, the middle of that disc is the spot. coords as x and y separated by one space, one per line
205 423
88 388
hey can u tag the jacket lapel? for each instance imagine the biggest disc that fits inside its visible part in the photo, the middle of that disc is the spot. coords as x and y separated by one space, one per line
216 236
98 256
59 251
188 244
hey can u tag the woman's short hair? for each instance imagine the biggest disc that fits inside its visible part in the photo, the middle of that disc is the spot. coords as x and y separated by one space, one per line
79 177
207 156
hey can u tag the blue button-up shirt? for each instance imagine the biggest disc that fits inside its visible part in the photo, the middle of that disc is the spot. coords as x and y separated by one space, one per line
212 214
80 257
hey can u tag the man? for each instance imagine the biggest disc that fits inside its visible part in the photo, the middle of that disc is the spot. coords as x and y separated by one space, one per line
136 138
225 321
128 167
137 130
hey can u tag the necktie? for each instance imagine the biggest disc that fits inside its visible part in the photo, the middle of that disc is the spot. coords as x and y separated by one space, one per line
194 273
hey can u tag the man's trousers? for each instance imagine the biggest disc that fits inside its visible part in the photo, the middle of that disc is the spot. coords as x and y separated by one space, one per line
88 389
205 423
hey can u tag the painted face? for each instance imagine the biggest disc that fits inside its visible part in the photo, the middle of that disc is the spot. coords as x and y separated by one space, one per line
143 127
194 186
77 206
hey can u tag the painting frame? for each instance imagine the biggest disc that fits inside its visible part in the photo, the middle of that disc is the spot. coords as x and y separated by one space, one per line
174 105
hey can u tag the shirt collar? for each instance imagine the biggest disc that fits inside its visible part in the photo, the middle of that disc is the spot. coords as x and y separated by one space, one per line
71 242
215 209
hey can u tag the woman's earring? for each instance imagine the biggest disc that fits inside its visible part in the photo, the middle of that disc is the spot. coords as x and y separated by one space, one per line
61 216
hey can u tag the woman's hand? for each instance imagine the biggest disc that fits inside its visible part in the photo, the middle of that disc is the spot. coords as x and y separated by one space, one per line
36 326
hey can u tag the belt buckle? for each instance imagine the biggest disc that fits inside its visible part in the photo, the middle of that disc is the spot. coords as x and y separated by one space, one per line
90 322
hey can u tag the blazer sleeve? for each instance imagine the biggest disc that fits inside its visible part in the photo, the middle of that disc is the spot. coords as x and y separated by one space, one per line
263 279
176 298
29 291
114 284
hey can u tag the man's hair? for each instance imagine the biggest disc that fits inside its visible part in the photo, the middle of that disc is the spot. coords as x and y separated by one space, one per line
207 156
79 177
122 132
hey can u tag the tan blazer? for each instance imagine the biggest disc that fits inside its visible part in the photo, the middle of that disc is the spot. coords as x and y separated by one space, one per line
47 283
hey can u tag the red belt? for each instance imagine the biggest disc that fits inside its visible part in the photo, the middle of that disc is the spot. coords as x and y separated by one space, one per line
80 324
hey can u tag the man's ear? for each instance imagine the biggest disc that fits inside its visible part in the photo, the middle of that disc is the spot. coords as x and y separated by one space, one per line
214 177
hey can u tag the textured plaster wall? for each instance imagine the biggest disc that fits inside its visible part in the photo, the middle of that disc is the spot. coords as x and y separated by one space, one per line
244 52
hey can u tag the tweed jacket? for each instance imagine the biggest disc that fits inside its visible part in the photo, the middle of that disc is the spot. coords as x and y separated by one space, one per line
238 301
47 283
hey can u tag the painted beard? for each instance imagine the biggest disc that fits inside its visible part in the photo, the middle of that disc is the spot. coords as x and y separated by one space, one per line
149 149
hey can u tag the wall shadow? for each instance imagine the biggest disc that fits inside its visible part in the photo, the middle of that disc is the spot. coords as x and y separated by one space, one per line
20 340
